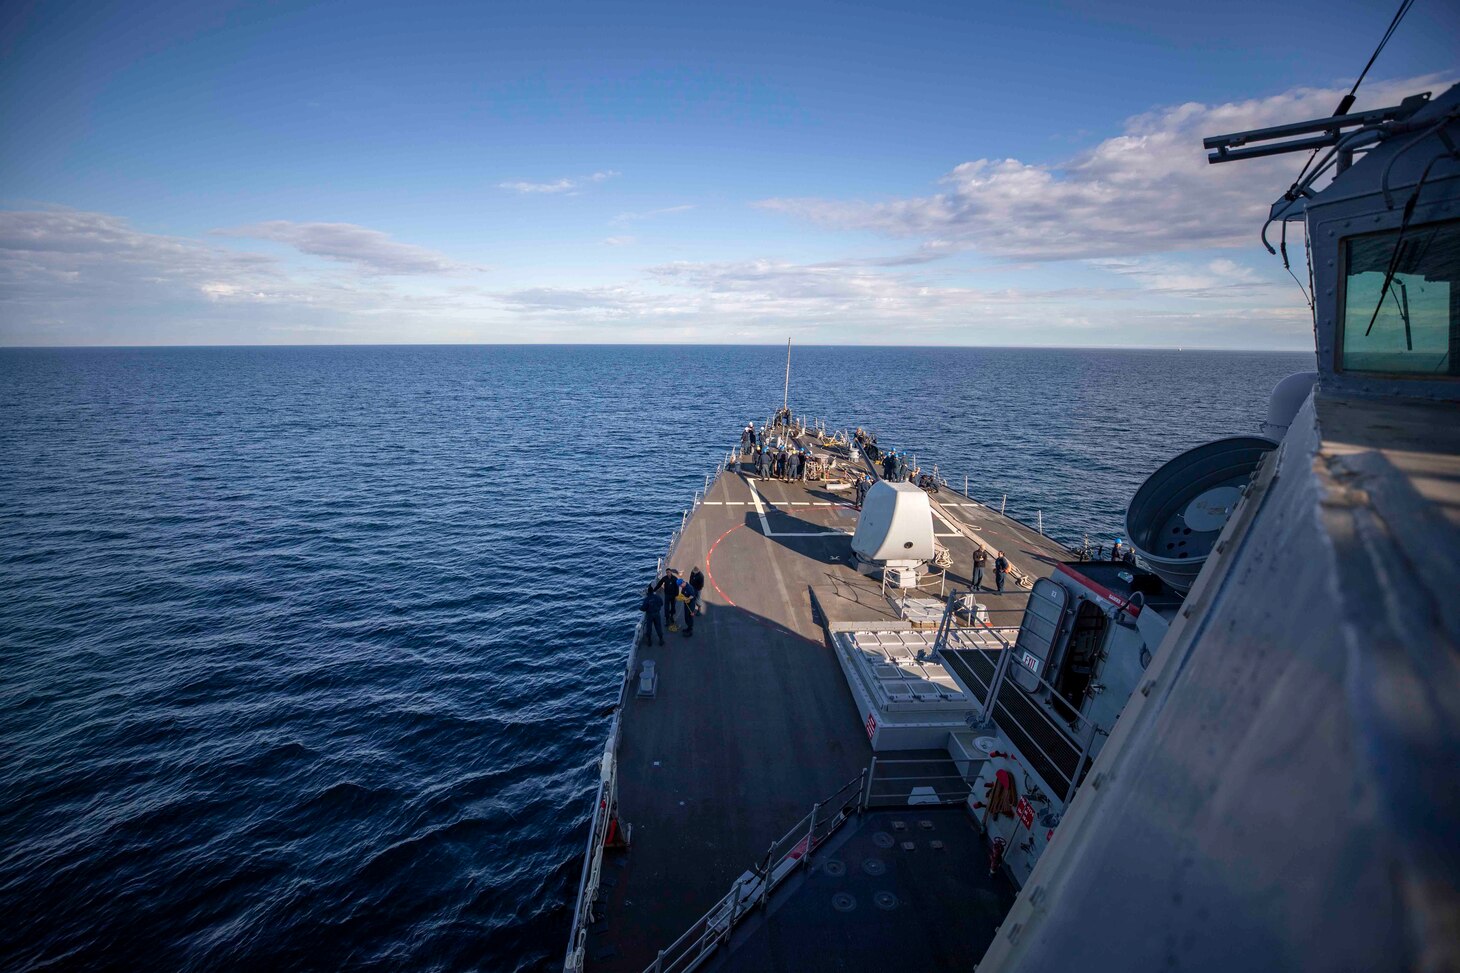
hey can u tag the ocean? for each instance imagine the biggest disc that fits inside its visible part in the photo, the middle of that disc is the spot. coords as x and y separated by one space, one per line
308 653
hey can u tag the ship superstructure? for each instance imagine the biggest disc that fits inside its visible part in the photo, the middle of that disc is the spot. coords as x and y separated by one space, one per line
1235 745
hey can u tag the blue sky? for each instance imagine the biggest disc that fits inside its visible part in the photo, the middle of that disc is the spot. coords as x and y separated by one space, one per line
1016 174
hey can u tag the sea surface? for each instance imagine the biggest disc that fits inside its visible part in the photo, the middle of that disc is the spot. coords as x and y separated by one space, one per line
306 655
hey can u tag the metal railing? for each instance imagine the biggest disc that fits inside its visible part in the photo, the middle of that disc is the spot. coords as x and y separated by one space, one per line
916 781
753 890
897 597
605 802
1040 723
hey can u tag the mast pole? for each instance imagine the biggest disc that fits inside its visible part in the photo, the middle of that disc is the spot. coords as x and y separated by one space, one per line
786 394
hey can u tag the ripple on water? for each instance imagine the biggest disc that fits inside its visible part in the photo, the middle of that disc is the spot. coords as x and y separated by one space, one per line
308 652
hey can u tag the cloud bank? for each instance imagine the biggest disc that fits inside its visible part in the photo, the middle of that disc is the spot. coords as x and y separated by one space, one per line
369 250
1140 219
1147 190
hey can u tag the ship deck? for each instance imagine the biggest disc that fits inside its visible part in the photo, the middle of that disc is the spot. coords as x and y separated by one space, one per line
894 890
753 721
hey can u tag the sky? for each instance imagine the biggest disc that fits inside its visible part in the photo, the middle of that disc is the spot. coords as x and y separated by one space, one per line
972 173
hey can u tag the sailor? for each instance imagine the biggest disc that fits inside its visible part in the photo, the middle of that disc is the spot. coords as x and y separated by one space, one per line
980 558
669 584
651 606
793 465
697 582
1115 551
685 595
1001 568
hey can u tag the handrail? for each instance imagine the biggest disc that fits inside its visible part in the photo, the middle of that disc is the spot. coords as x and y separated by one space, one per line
606 799
958 782
1077 729
603 804
791 851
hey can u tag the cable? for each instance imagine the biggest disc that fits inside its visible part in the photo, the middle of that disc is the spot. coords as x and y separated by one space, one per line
1283 246
1348 99
1344 105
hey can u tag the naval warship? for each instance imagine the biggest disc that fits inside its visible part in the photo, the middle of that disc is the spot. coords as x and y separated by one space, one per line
1236 745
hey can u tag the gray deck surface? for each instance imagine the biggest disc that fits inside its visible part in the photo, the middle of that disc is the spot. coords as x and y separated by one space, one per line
753 722
866 902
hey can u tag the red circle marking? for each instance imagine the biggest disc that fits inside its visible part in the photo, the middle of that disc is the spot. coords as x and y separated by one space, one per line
711 574
762 622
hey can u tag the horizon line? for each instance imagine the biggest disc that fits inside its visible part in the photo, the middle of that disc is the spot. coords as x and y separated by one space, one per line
630 344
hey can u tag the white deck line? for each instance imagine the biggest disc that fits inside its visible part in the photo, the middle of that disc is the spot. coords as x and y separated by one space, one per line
947 524
765 525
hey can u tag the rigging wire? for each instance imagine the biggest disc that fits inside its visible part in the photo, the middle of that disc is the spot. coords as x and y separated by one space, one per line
1348 99
1347 102
1283 246
1304 179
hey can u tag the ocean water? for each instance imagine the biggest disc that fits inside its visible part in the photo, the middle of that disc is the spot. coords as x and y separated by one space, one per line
308 653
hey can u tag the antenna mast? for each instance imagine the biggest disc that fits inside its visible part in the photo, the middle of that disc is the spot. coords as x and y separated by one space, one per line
786 394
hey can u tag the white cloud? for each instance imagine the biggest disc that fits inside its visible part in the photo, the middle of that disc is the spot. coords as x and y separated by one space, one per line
1208 280
768 299
1148 190
565 185
369 250
67 255
653 213
619 241
68 276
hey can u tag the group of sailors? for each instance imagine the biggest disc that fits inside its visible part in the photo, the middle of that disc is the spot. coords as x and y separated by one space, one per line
676 592
775 457
891 463
893 466
781 461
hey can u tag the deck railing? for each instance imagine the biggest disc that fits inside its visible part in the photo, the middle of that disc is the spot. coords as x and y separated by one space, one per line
1029 716
916 781
605 805
791 851
605 802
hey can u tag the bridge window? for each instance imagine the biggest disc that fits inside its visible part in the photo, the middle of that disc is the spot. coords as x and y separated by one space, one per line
1416 330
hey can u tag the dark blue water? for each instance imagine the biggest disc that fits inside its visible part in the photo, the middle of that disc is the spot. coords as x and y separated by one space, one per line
307 652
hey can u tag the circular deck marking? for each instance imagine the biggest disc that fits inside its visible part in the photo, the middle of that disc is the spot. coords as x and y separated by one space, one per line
762 622
834 868
709 556
882 839
874 867
843 902
885 900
